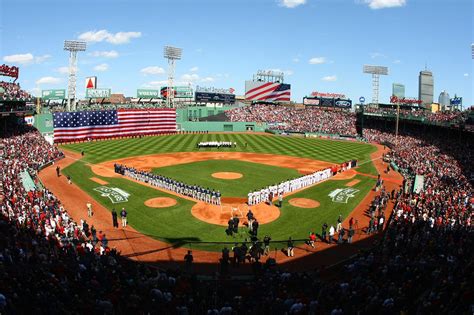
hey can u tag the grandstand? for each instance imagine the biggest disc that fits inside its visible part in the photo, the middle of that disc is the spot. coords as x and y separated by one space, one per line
226 204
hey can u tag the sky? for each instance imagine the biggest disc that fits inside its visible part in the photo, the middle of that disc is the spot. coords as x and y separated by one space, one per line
320 45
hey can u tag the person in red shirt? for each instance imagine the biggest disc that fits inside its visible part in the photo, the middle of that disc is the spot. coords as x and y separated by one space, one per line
312 239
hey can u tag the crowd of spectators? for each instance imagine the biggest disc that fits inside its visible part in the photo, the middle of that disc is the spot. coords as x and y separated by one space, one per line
424 263
448 116
297 119
13 90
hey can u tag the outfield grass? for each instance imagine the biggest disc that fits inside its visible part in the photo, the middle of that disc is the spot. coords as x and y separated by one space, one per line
177 226
255 176
313 148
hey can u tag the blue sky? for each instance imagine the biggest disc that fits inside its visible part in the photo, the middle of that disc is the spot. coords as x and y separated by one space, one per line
321 45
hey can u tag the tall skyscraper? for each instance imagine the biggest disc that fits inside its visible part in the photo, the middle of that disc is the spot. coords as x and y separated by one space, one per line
426 88
398 90
444 100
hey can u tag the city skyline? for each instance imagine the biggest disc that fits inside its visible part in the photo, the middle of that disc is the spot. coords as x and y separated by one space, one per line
319 45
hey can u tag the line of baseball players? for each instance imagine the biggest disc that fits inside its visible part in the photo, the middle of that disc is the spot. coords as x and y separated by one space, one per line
266 194
194 191
217 144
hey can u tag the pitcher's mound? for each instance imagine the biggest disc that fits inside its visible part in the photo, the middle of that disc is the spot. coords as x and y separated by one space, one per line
227 175
160 202
304 203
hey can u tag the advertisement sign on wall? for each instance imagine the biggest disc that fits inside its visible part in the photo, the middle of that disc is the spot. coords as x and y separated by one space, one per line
91 82
53 94
179 91
205 97
98 93
148 94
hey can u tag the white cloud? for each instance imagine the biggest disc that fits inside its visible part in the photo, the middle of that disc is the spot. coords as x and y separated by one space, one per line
317 60
105 54
382 4
123 37
398 61
103 35
190 77
41 59
194 69
19 58
48 80
102 67
375 55
466 74
207 79
152 70
25 59
329 78
291 3
63 70
296 59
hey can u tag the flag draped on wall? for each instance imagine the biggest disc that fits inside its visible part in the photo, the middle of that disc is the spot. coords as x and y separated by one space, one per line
112 123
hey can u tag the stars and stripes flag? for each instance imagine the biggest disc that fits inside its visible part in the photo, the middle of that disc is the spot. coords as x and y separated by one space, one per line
111 123
267 91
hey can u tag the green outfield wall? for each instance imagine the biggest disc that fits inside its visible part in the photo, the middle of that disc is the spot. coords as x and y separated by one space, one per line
44 123
197 112
221 126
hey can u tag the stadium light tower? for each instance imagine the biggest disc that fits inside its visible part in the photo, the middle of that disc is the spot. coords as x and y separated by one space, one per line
172 54
73 46
376 72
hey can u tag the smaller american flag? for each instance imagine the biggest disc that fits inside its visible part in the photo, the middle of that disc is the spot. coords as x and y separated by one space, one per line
111 123
268 91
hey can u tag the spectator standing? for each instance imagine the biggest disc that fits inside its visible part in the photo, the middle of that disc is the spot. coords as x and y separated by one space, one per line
324 230
266 244
89 209
290 248
339 224
255 226
123 215
350 234
312 239
114 218
188 259
332 230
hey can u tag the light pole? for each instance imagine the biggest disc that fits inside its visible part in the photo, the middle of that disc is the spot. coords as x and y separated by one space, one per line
172 54
376 72
73 46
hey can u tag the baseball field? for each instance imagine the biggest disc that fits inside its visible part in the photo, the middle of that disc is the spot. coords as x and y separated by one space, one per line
258 160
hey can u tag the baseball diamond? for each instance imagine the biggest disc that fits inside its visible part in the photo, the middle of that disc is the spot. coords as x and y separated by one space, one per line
266 160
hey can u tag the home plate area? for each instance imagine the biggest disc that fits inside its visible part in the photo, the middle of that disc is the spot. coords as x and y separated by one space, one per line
220 214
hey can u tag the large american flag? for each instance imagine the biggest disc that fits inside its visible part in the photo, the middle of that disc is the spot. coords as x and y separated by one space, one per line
111 123
267 91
